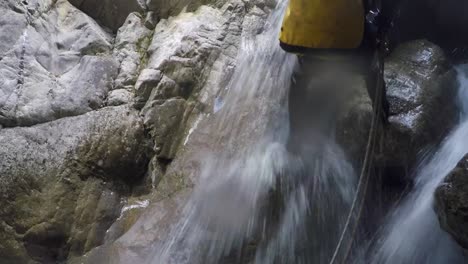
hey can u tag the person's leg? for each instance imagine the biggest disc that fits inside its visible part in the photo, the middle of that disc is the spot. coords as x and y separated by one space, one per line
322 86
312 100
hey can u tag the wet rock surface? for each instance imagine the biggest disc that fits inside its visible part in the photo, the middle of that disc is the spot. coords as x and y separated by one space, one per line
108 107
354 121
189 63
451 203
78 175
421 89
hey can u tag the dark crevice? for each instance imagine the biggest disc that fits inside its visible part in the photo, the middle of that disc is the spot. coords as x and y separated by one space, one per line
164 163
11 124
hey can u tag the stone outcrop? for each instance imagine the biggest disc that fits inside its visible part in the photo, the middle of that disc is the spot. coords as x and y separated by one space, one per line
55 62
108 107
189 64
451 203
131 43
62 182
421 89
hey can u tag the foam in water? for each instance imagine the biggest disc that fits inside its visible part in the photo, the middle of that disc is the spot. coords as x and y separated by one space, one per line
254 201
412 233
226 207
315 205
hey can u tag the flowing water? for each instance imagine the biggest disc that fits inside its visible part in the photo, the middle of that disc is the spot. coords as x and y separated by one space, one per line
257 202
254 201
412 233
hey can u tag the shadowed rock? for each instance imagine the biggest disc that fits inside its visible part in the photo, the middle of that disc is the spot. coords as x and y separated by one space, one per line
421 88
451 203
110 13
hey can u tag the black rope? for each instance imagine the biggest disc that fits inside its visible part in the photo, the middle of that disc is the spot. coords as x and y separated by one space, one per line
358 202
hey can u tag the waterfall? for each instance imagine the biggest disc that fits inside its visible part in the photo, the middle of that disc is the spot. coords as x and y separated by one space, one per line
225 210
412 233
255 201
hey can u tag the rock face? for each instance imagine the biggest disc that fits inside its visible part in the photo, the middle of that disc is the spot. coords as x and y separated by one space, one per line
130 47
110 13
107 108
189 64
354 121
421 87
451 203
55 62
76 174
62 182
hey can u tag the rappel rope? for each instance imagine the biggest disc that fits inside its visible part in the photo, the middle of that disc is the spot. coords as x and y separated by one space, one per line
357 205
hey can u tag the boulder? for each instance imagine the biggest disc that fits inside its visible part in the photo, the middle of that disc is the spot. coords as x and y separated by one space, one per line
451 203
421 88
62 182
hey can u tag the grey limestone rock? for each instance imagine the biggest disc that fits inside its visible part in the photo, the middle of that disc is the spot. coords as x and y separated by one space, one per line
131 43
57 64
147 81
163 118
61 182
190 62
119 97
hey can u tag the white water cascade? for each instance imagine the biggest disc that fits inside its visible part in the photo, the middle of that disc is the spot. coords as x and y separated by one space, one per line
255 202
412 233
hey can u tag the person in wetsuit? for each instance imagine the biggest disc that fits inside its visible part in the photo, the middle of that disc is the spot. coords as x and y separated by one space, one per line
336 33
